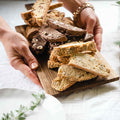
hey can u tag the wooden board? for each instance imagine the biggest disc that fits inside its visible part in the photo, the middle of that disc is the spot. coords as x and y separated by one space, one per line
47 75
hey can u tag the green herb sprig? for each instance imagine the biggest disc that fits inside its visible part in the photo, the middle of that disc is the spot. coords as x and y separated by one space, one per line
21 113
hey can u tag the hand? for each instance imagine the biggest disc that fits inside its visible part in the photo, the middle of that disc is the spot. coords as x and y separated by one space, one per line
90 21
20 57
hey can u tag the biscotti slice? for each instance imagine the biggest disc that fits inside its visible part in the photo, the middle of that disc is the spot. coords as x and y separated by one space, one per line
52 45
74 74
51 35
68 20
55 14
56 5
66 28
53 6
61 84
90 64
39 11
38 44
31 31
72 48
53 64
88 37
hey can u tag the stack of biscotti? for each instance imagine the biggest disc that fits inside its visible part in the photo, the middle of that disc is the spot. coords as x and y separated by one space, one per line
49 25
76 62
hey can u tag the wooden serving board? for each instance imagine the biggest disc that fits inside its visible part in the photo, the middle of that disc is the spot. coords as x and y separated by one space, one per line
47 75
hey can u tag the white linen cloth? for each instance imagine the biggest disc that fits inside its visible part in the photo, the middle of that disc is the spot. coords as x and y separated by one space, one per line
100 103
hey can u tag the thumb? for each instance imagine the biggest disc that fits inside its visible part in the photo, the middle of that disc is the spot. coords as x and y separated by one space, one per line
90 24
30 59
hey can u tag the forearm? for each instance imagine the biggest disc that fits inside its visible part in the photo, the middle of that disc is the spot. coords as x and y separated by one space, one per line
4 28
72 5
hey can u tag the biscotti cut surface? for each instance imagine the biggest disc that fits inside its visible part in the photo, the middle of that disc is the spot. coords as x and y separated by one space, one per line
56 5
61 84
66 28
51 35
72 48
53 64
55 15
89 63
74 74
31 31
40 9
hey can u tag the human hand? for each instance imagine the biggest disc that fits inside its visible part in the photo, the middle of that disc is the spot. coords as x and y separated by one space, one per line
20 57
89 20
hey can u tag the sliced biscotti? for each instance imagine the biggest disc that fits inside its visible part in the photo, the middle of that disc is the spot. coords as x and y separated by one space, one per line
61 84
55 15
31 31
28 18
88 37
56 5
54 64
53 6
90 64
38 44
66 28
51 35
74 74
72 48
39 11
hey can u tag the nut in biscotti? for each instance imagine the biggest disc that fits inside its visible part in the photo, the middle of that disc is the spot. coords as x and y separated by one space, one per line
38 44
72 48
39 11
66 28
51 35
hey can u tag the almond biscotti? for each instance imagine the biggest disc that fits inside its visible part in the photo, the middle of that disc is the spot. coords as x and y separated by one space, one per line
74 74
56 5
53 6
28 18
51 35
39 11
66 28
72 48
55 15
90 64
53 64
31 31
61 84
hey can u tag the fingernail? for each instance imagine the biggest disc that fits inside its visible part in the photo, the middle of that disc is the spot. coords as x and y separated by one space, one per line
34 65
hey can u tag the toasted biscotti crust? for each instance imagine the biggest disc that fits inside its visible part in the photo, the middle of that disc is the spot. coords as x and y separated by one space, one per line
61 84
53 6
90 64
55 15
66 28
39 11
56 5
31 31
74 74
53 64
72 48
51 35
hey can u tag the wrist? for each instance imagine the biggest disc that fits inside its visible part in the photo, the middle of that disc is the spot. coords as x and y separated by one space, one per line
3 34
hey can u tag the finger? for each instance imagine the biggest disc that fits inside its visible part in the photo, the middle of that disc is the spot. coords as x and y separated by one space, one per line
90 23
19 65
28 72
98 35
30 59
